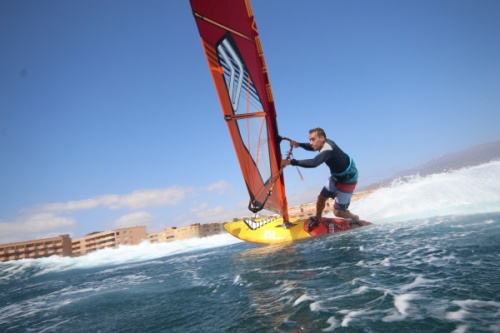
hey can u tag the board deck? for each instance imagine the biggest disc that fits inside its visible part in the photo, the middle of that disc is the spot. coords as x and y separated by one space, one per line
272 230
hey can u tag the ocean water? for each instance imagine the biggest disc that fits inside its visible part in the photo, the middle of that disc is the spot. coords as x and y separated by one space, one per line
430 263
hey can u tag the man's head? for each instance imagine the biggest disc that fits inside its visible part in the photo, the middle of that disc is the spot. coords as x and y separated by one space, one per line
317 138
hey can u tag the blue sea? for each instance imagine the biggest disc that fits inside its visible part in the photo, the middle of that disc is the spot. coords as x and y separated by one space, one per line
430 263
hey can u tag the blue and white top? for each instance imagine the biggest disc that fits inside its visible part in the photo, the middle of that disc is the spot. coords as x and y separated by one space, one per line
341 165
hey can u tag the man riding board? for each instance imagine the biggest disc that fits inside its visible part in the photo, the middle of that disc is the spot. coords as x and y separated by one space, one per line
343 174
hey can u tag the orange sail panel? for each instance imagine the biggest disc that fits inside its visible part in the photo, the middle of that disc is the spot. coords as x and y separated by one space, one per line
232 46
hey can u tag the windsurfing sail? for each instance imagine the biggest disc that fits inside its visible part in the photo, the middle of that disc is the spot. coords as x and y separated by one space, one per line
236 61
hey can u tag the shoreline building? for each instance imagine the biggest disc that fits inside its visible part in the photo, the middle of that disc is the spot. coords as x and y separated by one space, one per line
108 239
64 246
34 249
195 230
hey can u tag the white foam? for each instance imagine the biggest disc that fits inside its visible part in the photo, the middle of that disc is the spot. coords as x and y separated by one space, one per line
303 298
349 316
316 306
112 257
29 308
386 262
402 304
333 325
476 303
469 307
472 190
457 315
360 290
52 328
419 281
461 329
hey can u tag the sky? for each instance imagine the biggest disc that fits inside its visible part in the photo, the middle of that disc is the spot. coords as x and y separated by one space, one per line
109 117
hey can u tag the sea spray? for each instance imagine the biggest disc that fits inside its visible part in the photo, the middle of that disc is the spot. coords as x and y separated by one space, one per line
471 190
124 254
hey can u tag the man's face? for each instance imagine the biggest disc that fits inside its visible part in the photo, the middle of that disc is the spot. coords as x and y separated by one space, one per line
316 141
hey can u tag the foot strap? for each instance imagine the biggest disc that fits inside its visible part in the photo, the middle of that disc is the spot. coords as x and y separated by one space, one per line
313 223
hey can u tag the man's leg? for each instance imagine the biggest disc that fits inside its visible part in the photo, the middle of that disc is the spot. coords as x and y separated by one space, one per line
328 191
320 206
341 204
346 214
321 203
343 200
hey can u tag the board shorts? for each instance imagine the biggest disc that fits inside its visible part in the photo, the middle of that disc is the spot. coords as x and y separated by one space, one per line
340 186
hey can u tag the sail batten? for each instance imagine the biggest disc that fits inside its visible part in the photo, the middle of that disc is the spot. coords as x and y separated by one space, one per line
236 61
245 115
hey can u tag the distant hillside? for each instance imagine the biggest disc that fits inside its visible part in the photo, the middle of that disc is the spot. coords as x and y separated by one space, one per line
472 156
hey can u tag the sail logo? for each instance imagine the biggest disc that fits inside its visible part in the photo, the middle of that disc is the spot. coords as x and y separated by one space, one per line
233 70
236 75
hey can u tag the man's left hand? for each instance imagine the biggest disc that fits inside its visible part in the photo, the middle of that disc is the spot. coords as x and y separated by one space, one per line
284 163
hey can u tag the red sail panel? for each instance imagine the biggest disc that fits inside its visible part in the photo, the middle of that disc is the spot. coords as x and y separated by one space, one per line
232 46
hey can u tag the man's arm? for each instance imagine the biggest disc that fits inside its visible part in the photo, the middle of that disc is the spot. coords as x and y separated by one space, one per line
306 146
314 162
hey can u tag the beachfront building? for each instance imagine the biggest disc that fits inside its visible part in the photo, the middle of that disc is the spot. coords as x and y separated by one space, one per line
108 239
210 229
166 235
39 248
194 230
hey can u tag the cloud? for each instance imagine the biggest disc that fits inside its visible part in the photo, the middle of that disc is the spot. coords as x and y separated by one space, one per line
145 198
46 219
34 224
68 206
136 200
204 211
220 186
134 219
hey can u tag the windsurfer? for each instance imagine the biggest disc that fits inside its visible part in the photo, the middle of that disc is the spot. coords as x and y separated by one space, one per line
343 178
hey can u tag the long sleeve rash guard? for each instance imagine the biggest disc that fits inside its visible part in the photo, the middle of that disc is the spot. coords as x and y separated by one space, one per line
331 154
